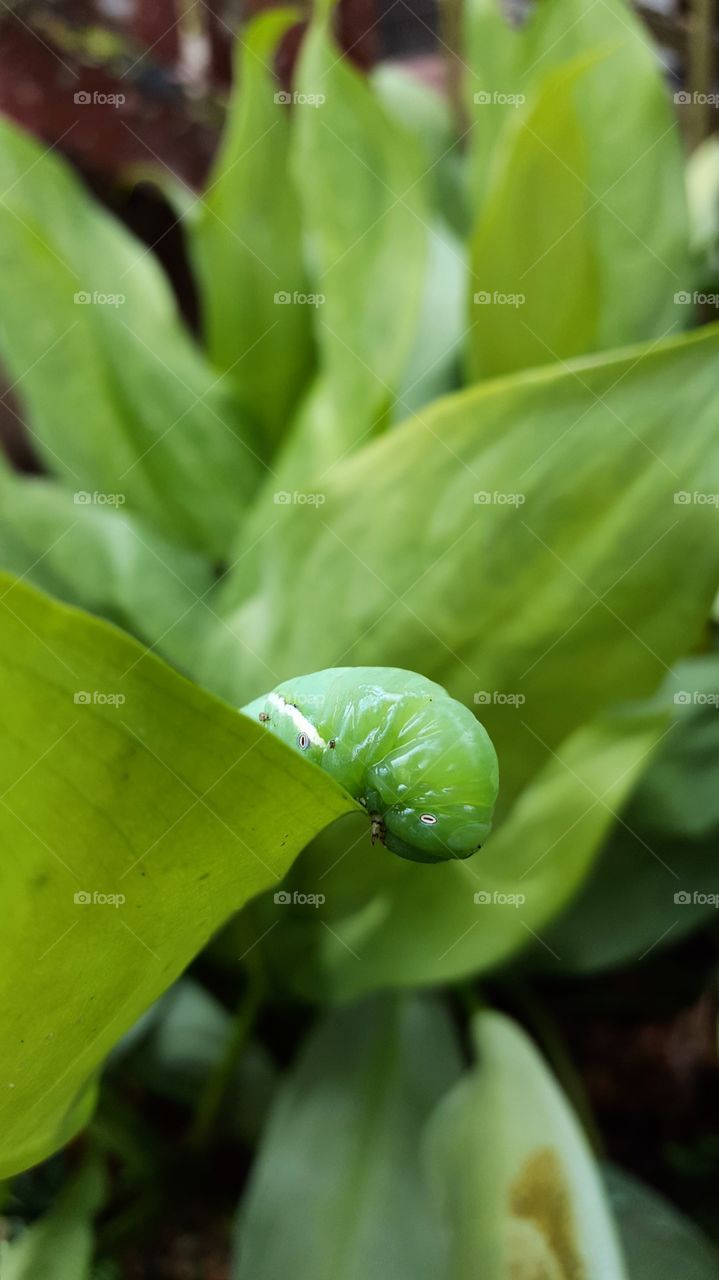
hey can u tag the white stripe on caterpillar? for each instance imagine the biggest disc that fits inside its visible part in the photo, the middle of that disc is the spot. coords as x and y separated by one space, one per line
301 723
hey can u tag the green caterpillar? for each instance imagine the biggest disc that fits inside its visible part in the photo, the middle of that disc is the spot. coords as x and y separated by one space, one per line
420 763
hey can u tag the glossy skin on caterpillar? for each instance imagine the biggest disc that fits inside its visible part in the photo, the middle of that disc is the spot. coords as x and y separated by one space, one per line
419 761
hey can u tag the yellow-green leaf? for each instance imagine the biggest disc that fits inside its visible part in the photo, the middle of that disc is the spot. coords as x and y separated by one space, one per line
137 814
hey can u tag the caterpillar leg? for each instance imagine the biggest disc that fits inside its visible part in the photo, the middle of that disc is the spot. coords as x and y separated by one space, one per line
378 830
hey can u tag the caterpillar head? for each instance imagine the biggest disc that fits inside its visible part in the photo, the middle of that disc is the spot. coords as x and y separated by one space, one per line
434 792
454 832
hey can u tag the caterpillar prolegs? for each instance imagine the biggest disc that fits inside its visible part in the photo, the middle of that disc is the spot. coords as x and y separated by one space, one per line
419 761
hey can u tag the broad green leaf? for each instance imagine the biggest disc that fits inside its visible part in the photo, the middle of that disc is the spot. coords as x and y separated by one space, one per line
511 605
527 307
359 176
703 197
544 518
337 1192
136 827
386 282
119 399
656 878
246 241
422 106
587 171
62 1129
434 362
433 366
659 1243
520 1191
107 561
60 1245
385 922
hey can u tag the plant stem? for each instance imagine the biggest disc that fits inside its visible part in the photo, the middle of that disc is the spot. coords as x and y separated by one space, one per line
451 15
700 69
213 1095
